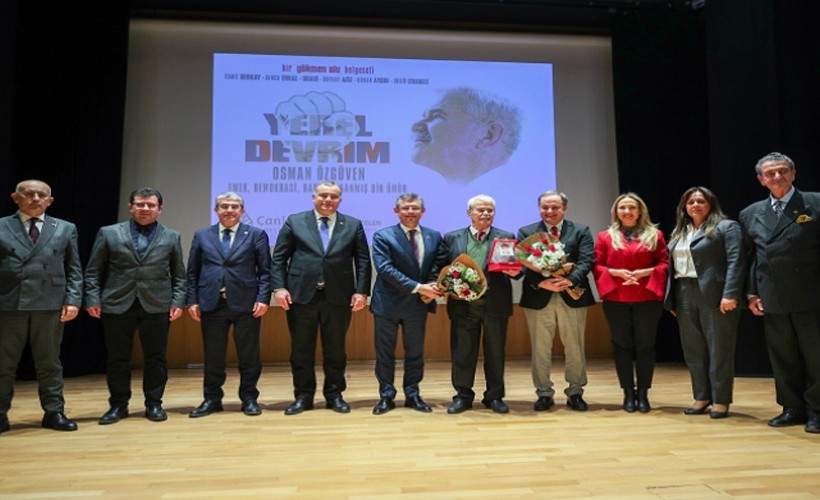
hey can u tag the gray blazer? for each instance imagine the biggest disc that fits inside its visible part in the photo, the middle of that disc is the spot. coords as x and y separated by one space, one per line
116 275
720 261
785 267
41 277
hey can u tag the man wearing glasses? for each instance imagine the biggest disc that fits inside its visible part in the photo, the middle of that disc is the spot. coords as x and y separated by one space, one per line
41 282
408 258
135 281
229 283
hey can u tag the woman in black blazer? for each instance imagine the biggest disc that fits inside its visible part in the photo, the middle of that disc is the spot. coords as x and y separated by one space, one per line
707 274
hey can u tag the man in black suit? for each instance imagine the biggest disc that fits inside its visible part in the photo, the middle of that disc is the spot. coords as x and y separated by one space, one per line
783 232
135 281
548 306
408 258
321 275
490 313
41 284
229 283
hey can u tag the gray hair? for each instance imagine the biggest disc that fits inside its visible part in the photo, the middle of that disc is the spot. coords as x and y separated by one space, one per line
774 157
482 198
230 195
409 197
328 184
486 108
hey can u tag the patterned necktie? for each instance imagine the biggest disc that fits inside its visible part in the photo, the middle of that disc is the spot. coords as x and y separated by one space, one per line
226 241
414 244
778 208
33 232
554 232
480 235
324 232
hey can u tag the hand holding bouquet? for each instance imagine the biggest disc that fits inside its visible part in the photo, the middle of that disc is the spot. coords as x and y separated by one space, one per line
544 254
463 279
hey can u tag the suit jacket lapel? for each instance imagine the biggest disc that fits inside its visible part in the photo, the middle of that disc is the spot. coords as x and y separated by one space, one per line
339 229
16 227
240 238
125 236
790 213
312 227
216 239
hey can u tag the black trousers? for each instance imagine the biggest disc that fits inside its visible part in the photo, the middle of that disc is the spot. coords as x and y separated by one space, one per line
215 327
634 327
305 322
793 341
118 330
45 332
386 332
465 339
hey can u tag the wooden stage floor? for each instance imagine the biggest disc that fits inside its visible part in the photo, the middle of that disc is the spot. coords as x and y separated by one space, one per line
602 453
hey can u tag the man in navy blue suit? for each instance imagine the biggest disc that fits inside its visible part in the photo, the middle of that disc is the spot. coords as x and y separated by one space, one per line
229 283
407 258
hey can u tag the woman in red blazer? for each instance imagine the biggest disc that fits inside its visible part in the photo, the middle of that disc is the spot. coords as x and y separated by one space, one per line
631 263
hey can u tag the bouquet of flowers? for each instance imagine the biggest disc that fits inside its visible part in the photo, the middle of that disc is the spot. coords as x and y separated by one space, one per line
544 254
463 279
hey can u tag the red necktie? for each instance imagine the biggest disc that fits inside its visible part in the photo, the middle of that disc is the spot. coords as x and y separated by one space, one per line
554 231
33 232
480 235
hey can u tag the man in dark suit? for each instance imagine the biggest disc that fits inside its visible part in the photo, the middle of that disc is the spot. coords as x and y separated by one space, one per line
321 275
40 289
548 306
408 258
229 283
783 232
135 281
490 313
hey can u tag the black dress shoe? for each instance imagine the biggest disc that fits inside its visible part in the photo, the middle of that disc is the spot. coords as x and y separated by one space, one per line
338 404
459 405
206 408
497 406
813 425
787 419
718 414
251 408
4 424
698 411
577 403
114 415
418 404
383 406
630 403
58 421
643 401
543 403
299 406
155 413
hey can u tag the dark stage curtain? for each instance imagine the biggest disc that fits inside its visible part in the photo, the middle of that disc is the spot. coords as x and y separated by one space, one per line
63 101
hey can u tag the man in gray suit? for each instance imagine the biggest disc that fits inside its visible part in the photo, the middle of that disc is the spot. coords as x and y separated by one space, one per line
41 284
783 232
135 280
549 307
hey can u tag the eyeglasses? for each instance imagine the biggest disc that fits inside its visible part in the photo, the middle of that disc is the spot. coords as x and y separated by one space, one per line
774 172
410 209
145 204
35 194
229 206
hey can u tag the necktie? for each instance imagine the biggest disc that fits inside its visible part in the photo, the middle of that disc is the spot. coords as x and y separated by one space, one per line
33 232
414 244
554 232
778 208
226 241
324 232
480 235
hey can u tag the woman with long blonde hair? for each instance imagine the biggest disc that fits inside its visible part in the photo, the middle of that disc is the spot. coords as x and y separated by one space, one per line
630 270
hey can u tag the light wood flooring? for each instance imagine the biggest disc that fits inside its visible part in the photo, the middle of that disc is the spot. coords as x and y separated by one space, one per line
603 453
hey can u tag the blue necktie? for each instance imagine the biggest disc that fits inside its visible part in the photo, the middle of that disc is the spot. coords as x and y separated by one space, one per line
778 208
226 241
142 241
324 232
